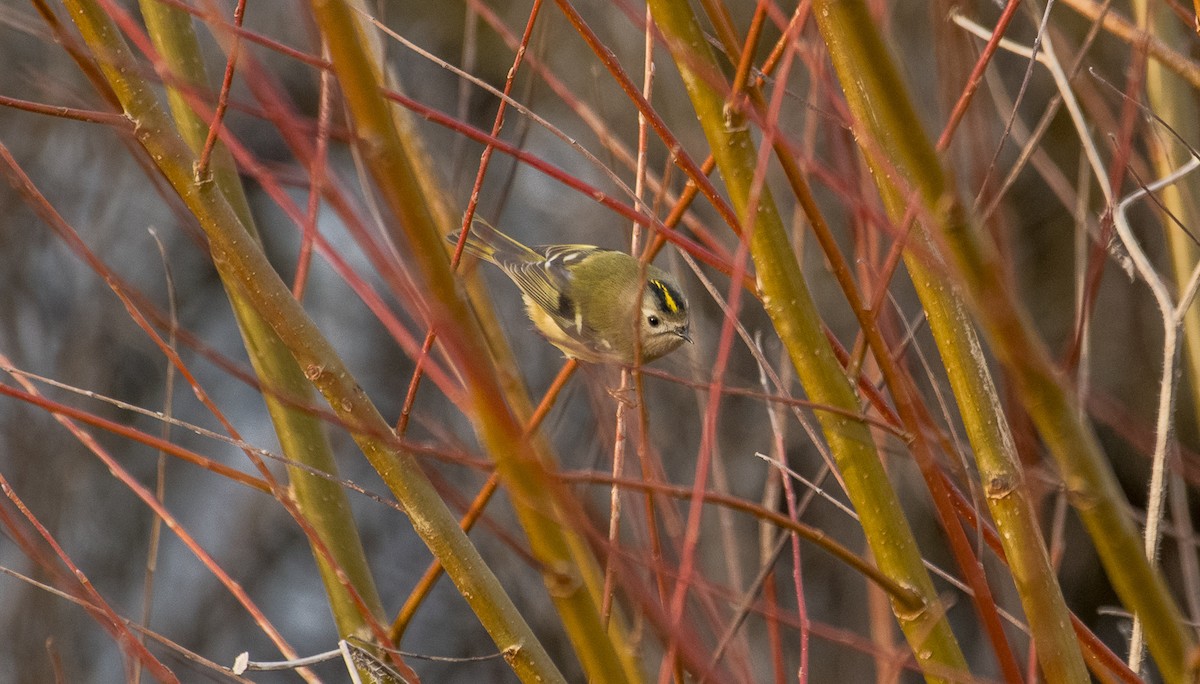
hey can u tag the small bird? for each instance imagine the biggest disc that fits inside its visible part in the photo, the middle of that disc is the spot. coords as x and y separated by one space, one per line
584 299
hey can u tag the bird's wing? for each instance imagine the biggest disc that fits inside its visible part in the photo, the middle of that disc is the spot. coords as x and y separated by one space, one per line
543 286
548 280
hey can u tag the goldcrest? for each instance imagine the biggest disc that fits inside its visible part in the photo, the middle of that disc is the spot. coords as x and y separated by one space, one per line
588 301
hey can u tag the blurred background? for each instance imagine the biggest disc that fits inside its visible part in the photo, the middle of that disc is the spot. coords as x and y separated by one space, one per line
60 320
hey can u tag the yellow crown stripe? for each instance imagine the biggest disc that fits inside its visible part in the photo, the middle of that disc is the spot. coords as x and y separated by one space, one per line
665 292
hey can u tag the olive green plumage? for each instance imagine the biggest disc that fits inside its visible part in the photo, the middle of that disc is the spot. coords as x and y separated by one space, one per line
586 300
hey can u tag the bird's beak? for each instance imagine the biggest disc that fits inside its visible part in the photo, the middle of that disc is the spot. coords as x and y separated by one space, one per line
685 334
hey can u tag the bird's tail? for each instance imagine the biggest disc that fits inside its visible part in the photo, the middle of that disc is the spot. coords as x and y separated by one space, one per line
489 244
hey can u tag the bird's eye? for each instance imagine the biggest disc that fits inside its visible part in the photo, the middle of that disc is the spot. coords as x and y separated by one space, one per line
653 321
